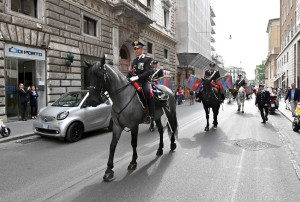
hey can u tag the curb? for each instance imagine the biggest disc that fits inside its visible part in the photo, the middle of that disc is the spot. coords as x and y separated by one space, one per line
285 116
16 137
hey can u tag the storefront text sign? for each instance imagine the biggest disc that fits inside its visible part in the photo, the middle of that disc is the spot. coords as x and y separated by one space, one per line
16 51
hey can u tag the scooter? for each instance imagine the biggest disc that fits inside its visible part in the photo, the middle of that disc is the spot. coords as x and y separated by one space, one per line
4 131
296 122
273 102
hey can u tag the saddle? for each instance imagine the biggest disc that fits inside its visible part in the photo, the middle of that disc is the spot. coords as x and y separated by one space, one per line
159 97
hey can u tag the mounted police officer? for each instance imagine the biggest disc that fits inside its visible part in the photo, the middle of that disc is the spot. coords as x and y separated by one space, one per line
262 102
213 75
140 71
240 82
157 73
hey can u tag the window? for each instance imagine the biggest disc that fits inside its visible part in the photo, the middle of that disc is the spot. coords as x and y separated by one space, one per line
166 53
149 48
166 19
149 3
27 7
287 57
89 26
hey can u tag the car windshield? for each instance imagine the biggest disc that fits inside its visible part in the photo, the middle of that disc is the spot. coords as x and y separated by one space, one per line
70 99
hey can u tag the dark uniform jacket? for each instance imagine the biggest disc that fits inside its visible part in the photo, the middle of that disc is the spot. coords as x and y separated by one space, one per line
240 83
33 98
158 74
262 98
141 67
296 95
23 95
208 74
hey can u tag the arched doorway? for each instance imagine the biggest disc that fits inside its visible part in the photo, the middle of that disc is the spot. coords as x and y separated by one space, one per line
124 60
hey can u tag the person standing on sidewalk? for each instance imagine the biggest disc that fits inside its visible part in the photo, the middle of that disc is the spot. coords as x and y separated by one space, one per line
293 95
23 93
262 101
33 102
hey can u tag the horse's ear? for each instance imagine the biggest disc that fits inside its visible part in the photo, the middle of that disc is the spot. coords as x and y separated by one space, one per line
103 60
87 63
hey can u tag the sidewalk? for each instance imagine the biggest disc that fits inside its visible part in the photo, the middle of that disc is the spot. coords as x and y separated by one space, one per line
285 112
19 129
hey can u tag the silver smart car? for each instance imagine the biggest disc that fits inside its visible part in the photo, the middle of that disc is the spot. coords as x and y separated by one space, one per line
69 117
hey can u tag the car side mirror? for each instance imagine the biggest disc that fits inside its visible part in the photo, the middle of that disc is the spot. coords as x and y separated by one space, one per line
84 105
107 102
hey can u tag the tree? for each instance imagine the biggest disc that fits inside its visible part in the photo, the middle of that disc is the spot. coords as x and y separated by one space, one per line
260 72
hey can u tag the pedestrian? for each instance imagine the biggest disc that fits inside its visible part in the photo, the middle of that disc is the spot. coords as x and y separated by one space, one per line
179 96
279 92
23 99
33 102
262 101
176 96
191 97
293 95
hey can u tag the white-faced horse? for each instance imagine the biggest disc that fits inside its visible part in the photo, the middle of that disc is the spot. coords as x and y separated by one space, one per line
241 96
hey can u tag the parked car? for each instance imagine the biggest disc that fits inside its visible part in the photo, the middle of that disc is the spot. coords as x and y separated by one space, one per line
69 117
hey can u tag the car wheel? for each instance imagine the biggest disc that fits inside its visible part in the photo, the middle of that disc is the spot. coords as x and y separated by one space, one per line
74 132
111 123
295 127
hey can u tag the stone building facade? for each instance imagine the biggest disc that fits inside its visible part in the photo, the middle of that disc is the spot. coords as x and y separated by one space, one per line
36 38
288 65
273 31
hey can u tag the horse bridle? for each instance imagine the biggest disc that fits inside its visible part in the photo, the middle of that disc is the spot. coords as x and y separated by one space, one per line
106 77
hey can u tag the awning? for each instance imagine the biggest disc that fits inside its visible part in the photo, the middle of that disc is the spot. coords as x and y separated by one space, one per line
284 80
277 76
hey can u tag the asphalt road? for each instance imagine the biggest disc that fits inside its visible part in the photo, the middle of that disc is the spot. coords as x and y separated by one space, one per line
243 160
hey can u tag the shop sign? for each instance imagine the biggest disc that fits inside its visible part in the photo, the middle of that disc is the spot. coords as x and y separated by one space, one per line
16 51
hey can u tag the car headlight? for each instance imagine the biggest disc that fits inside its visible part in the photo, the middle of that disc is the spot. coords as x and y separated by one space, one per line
62 115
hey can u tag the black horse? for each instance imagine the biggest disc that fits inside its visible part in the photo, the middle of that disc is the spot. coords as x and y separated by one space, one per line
127 110
210 98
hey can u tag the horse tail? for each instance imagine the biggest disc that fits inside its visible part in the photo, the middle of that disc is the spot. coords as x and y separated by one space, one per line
172 124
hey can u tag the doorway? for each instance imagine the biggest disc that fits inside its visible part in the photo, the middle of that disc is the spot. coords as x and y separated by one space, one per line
28 72
125 60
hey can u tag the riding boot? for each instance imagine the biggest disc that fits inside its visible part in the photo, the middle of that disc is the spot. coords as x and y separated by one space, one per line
151 107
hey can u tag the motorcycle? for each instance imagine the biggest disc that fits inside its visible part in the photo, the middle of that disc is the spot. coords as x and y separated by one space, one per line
274 102
4 131
296 122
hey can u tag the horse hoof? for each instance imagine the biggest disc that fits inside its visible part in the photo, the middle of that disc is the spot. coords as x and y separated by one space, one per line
242 111
159 152
151 129
238 110
132 166
173 146
108 177
206 129
215 127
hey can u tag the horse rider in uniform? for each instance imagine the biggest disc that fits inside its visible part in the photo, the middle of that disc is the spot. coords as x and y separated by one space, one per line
140 71
213 75
240 82
157 73
262 101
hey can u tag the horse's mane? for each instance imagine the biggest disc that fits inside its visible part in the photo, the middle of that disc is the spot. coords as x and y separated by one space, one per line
115 72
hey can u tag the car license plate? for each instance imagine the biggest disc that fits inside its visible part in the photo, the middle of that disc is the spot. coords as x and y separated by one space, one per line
45 126
272 105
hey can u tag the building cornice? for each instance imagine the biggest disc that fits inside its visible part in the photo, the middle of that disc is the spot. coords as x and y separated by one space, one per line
290 42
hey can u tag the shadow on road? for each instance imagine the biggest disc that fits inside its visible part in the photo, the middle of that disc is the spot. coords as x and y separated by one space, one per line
139 185
210 144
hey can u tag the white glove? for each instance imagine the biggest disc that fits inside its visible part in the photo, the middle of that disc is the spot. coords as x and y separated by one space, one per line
134 78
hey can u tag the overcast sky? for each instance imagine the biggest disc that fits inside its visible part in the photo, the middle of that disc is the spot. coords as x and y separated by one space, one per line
246 21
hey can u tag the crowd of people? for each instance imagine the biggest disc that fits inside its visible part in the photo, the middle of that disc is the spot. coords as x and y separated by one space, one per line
26 96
